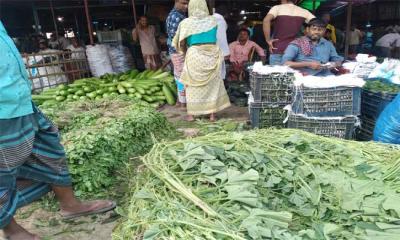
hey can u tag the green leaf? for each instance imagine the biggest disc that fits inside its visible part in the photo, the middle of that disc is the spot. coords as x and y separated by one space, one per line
392 201
236 177
296 199
143 194
151 233
240 193
273 180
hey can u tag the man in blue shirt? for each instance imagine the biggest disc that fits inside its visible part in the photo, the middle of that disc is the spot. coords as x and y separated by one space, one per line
175 17
32 159
312 54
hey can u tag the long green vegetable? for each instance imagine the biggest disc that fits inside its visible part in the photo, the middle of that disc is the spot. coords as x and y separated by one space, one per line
154 87
266 184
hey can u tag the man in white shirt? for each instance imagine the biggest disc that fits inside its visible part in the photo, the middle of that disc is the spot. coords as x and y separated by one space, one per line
77 51
60 42
221 37
386 44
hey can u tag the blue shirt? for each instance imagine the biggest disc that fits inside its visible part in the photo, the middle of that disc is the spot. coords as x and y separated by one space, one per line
174 18
15 87
323 52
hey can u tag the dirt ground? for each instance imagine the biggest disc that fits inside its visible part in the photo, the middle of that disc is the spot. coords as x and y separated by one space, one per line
50 226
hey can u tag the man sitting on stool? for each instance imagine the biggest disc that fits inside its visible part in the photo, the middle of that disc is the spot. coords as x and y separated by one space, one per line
312 54
241 51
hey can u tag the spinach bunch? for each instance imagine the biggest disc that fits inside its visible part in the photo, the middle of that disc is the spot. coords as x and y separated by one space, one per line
265 184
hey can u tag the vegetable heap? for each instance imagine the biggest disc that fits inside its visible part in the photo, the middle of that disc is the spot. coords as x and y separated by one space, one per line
265 184
101 136
382 87
154 87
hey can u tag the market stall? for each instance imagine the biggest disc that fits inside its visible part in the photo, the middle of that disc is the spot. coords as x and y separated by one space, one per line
297 174
50 69
345 106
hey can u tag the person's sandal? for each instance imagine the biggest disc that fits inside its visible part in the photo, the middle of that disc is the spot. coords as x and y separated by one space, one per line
88 213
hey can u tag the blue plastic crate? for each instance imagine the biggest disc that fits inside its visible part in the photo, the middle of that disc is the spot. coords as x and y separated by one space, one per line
344 128
273 88
263 115
327 102
366 130
373 103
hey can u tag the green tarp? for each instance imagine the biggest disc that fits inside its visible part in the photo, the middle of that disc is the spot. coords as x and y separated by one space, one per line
308 4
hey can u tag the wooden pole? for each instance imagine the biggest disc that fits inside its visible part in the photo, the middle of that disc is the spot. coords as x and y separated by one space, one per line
134 12
54 18
348 29
89 22
211 6
35 18
314 5
78 31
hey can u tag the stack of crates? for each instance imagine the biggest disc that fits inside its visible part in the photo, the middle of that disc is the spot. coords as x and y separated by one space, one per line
372 105
331 112
271 93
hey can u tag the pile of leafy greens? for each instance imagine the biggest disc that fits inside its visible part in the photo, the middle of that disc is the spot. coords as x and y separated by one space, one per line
380 86
265 184
101 137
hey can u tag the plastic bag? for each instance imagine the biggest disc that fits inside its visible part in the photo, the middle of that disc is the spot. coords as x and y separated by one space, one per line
389 69
387 128
48 76
121 58
99 60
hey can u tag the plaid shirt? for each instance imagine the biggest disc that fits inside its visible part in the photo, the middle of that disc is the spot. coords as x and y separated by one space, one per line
173 20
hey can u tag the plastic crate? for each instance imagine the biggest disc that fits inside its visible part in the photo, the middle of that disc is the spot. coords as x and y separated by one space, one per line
237 92
328 127
366 131
327 102
266 115
373 103
116 36
274 88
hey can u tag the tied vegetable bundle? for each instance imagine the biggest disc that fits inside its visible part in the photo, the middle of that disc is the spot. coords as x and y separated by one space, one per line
265 184
154 87
101 136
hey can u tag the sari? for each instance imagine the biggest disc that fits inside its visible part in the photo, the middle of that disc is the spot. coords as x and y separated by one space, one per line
201 74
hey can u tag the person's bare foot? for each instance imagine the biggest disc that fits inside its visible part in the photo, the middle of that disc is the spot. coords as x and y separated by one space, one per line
189 118
86 208
183 106
213 118
16 232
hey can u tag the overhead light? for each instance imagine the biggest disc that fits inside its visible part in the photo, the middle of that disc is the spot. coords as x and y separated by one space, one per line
60 19
245 17
243 12
95 33
105 24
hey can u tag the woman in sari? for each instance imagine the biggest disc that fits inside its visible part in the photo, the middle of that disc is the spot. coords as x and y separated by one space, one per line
201 75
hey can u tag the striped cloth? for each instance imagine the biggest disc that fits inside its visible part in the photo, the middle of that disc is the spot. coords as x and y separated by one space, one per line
178 61
31 160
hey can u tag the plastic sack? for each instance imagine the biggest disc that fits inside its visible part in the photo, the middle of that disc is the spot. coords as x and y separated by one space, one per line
389 69
121 58
99 60
387 128
47 76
